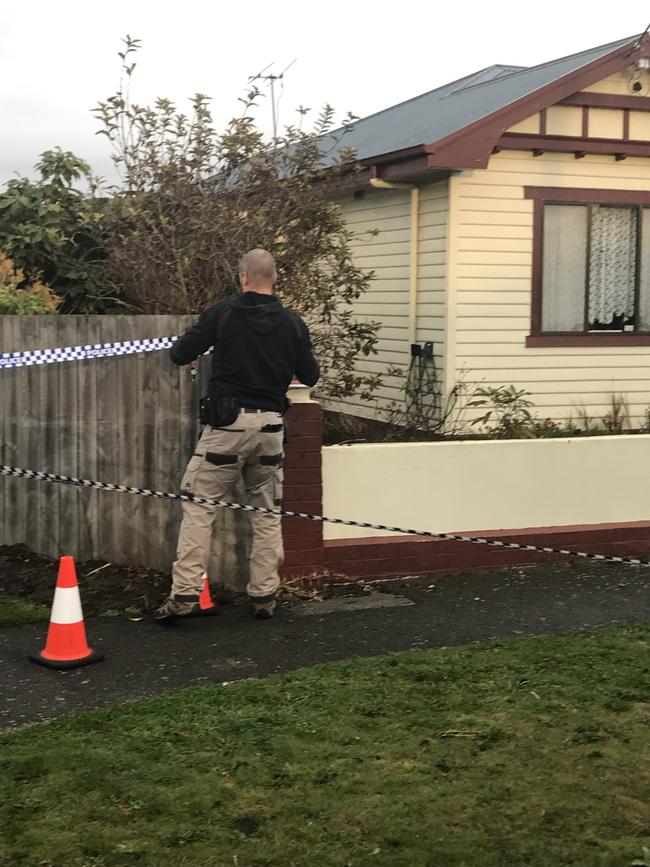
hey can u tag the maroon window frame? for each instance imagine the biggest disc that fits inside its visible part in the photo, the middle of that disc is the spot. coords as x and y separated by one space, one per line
573 196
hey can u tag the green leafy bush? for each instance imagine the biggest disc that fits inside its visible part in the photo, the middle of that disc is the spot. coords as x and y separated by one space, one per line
49 229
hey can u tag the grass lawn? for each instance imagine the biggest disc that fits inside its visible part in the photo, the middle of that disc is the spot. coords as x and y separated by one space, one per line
530 751
15 611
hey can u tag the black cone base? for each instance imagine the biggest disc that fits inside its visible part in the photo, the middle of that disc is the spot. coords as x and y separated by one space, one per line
64 664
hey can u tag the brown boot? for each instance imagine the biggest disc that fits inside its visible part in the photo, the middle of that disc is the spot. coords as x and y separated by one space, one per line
175 609
264 610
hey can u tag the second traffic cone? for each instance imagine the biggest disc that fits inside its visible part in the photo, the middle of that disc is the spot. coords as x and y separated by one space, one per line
206 605
66 645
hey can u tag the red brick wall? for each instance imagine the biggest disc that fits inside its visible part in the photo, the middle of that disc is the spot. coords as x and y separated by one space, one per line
303 490
393 556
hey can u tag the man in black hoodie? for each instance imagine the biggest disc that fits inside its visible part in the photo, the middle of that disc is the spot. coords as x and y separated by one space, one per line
259 346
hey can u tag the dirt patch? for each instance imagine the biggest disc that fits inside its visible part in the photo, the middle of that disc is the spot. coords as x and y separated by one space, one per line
340 428
106 587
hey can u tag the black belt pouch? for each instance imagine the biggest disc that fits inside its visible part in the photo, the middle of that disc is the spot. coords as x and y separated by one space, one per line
219 411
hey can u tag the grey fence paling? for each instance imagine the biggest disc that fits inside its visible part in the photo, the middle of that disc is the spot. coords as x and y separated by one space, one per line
129 419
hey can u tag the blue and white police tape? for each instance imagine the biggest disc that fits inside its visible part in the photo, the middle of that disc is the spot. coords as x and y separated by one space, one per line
79 353
57 478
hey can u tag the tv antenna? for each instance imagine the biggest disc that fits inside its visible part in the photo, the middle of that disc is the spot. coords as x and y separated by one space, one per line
271 78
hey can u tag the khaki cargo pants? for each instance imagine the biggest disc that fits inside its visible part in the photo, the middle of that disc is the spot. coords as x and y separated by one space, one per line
251 447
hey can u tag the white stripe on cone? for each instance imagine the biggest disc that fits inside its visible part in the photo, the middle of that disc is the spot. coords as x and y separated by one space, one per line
66 607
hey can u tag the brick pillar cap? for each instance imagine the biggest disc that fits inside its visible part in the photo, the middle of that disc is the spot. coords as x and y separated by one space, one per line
299 393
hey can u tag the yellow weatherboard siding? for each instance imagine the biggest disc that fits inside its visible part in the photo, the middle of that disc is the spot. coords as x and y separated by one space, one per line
640 125
605 123
431 267
529 125
564 120
387 300
620 83
492 287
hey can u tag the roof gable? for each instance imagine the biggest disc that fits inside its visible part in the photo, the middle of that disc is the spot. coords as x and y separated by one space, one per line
470 145
458 124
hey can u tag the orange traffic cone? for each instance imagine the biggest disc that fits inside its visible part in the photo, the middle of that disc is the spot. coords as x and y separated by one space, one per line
66 645
206 605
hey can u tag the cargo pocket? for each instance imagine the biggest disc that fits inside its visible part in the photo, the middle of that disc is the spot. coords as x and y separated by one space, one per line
260 477
189 478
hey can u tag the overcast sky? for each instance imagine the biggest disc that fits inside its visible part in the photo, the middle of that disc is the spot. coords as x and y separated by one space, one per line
57 60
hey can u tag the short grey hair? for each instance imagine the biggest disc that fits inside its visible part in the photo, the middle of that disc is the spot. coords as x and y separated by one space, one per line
259 265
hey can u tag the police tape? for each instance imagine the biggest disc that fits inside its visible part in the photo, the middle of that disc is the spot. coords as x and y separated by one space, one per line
58 478
59 354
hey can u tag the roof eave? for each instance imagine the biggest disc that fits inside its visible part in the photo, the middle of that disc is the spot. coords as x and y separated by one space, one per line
408 163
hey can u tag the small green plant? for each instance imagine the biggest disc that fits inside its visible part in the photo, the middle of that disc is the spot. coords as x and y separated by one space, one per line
616 419
586 423
614 422
509 411
548 427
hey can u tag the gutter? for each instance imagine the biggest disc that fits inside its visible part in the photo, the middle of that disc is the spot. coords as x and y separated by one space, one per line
380 184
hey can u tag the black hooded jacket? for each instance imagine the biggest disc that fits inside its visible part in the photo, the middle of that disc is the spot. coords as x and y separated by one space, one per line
259 346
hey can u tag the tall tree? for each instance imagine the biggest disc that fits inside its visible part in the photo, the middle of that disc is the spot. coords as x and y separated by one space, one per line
193 199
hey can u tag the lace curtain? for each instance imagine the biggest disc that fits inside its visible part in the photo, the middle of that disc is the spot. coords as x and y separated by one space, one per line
564 268
612 267
644 280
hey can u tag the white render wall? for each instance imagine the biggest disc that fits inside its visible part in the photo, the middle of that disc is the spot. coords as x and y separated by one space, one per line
494 485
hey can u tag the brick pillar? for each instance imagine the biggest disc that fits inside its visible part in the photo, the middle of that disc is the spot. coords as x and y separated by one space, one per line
303 486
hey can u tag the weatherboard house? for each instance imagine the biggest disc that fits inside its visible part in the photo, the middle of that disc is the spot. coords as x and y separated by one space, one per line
512 219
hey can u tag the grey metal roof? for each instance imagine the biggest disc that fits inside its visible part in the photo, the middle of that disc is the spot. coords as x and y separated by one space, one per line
431 116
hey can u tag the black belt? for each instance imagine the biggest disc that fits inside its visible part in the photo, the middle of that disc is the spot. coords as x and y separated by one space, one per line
250 409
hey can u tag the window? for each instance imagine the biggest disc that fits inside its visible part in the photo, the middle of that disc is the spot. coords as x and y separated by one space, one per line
591 267
595 274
